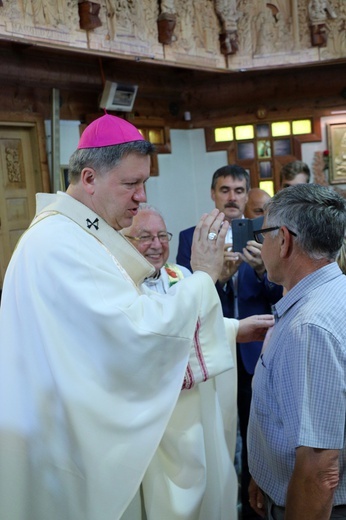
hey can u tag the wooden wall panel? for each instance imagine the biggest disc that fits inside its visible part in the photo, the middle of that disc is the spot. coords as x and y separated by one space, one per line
275 67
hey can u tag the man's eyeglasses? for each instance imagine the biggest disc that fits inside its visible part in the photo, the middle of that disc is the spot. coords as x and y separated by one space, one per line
259 234
163 237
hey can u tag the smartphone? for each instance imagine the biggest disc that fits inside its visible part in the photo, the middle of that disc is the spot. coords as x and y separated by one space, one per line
242 231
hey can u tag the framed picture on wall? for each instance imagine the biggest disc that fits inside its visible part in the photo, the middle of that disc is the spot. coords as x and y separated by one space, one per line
337 153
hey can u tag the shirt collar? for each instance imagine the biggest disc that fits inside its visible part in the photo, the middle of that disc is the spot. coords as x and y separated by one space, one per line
154 277
306 285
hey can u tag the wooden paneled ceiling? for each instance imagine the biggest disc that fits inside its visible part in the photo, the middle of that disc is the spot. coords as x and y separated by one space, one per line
28 73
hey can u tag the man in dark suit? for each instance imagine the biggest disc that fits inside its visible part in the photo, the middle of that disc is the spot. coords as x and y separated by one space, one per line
243 289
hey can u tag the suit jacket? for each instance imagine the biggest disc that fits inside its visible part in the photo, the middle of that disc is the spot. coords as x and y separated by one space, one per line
255 296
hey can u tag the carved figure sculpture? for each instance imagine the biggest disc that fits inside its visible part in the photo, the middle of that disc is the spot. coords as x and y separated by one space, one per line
46 13
227 14
318 12
167 6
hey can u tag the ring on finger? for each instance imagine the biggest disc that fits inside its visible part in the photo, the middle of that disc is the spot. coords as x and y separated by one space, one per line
212 236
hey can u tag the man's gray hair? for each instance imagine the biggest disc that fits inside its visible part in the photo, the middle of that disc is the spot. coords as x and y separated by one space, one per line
145 206
317 215
105 158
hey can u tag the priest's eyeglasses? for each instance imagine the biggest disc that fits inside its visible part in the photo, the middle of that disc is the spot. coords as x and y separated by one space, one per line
163 237
260 233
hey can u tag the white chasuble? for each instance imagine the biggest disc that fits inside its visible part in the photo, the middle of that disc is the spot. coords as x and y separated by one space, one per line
90 368
191 475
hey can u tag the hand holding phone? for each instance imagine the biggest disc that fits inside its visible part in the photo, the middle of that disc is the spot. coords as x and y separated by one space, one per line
242 230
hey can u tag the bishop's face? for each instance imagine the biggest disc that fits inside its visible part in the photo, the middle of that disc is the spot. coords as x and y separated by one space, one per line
116 195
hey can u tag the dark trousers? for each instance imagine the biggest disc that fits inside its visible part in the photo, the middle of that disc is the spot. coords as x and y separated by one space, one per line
244 402
274 512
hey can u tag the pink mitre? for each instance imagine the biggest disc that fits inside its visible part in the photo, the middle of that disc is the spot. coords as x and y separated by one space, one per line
108 131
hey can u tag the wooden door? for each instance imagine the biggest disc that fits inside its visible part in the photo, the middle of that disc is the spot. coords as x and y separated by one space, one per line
21 177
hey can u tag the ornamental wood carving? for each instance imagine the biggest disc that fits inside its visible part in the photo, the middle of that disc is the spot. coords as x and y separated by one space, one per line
208 34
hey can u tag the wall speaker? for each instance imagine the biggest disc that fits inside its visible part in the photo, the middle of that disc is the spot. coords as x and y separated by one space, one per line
118 97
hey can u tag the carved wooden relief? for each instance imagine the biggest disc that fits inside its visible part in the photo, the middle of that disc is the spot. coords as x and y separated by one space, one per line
208 34
14 167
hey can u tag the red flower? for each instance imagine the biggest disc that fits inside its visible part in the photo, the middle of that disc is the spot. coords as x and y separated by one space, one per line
171 273
326 153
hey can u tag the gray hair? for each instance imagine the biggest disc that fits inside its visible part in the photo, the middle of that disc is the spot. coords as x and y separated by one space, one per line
105 158
317 215
145 206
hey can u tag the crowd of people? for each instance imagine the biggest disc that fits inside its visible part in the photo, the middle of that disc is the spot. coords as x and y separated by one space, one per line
129 382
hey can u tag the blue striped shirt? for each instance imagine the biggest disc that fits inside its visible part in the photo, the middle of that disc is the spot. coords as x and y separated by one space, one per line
299 386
